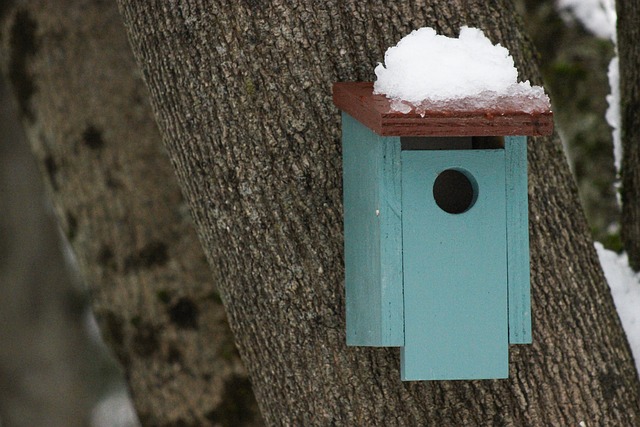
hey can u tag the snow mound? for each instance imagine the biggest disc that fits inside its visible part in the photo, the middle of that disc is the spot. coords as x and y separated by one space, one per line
625 289
427 71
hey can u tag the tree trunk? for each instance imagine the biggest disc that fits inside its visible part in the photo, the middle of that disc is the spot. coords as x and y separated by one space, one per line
91 128
629 61
242 93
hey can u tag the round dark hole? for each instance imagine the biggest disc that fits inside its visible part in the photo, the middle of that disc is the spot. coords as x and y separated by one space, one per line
453 192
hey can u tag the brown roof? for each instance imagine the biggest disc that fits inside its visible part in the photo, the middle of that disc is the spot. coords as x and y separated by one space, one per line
374 111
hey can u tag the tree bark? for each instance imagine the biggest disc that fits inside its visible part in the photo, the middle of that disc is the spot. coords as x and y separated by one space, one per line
242 94
85 110
629 62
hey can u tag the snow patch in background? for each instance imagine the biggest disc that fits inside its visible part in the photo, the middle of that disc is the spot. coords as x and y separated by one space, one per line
426 71
613 112
625 289
115 410
599 18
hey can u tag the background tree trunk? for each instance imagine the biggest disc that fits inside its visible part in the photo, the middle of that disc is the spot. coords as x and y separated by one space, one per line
50 370
90 126
241 91
628 38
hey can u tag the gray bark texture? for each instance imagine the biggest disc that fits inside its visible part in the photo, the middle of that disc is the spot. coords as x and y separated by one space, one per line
87 118
629 57
242 94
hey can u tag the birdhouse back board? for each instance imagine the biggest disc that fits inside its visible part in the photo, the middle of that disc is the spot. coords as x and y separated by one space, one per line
518 240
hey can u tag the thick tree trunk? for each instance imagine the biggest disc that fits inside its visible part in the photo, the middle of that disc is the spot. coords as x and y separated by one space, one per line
89 123
242 94
629 57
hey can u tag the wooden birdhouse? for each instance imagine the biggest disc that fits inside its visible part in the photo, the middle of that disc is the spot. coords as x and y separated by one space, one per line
436 233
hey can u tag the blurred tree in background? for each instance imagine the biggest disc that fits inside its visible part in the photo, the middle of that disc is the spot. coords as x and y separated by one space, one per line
628 42
52 372
84 108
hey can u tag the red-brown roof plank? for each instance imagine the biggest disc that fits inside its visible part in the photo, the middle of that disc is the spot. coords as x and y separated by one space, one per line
374 111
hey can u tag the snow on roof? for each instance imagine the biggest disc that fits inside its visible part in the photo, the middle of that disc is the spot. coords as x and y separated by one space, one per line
429 71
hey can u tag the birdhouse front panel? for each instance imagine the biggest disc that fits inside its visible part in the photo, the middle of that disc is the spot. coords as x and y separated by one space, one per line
455 264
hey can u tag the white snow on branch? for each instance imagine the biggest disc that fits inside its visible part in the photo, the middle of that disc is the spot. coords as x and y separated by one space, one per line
625 289
613 112
597 16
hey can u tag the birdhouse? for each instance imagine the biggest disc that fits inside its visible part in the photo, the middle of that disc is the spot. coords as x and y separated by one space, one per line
436 233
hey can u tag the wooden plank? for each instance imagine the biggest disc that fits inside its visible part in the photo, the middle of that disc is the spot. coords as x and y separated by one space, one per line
374 111
518 241
455 270
372 236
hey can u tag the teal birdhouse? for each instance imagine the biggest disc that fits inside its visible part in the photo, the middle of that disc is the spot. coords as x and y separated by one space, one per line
436 233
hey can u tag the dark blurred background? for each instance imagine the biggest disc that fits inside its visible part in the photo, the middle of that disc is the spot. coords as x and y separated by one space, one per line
54 370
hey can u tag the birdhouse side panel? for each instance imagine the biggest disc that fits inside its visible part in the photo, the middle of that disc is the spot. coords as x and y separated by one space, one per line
518 240
372 236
